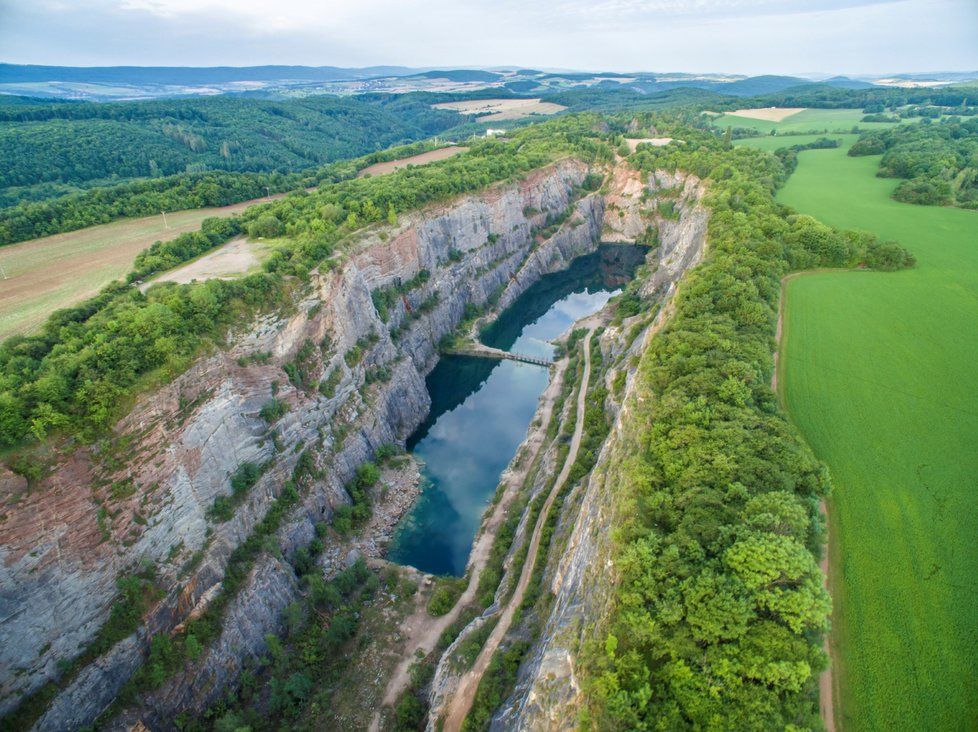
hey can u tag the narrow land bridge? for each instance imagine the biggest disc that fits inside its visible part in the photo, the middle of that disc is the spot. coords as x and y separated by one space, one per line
480 350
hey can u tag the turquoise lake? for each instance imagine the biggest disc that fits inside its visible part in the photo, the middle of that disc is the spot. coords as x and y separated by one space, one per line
481 409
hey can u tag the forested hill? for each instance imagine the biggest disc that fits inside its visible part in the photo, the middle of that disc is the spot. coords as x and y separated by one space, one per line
54 149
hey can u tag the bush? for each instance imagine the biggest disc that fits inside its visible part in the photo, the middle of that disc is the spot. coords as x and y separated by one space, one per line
446 594
266 227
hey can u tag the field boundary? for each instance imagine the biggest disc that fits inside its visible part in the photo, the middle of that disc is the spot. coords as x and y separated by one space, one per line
829 697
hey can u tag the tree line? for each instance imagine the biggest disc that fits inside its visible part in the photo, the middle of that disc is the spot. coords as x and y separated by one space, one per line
718 606
938 161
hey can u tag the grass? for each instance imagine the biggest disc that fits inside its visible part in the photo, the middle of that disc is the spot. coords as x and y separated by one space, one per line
773 142
810 120
61 270
879 372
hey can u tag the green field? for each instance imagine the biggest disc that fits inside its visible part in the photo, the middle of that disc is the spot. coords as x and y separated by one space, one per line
880 371
59 271
773 142
808 120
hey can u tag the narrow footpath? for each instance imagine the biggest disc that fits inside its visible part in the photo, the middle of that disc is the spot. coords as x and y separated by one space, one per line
461 702
421 630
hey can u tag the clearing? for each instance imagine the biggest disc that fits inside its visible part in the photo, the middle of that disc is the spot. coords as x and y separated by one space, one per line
878 371
653 141
424 158
807 120
496 110
771 114
230 260
59 271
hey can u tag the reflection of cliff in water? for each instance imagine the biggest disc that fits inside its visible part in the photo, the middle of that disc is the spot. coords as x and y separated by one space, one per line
608 268
480 409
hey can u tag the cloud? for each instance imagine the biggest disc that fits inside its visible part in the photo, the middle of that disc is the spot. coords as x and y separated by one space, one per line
746 36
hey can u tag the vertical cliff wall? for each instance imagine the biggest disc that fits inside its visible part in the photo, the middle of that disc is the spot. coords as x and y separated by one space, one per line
144 496
581 575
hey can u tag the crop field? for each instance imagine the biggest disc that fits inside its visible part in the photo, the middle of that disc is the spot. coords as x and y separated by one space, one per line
771 114
58 271
421 159
879 372
496 110
808 120
773 142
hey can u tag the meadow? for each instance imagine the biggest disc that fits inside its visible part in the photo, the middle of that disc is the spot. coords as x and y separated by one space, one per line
879 372
809 120
58 271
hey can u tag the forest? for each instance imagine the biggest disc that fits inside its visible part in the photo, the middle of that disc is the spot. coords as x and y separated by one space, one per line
718 609
937 160
74 165
72 378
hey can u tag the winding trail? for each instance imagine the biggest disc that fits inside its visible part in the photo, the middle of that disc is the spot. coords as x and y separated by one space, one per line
422 631
461 702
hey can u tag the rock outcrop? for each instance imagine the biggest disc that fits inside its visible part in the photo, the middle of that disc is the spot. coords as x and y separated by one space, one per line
144 497
547 691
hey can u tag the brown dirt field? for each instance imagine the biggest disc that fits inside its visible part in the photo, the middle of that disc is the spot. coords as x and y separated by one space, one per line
461 702
230 260
653 141
770 114
62 270
495 110
424 158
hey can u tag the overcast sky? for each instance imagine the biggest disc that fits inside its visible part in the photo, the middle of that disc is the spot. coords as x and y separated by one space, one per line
738 36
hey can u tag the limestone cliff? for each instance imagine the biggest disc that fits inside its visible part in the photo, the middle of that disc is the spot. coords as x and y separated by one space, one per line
144 495
580 575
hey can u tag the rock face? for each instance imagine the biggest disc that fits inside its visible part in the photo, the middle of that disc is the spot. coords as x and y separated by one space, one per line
547 688
144 498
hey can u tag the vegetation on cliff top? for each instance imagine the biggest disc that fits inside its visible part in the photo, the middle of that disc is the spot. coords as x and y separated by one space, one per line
938 161
718 604
75 377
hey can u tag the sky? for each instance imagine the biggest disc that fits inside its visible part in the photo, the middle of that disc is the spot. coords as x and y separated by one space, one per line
731 36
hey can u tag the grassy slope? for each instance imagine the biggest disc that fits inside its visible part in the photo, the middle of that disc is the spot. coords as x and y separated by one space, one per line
880 374
61 270
834 120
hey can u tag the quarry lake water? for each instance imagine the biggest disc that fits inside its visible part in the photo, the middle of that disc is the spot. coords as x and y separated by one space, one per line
481 409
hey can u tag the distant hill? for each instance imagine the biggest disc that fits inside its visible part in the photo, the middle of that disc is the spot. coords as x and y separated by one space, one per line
189 75
758 85
461 75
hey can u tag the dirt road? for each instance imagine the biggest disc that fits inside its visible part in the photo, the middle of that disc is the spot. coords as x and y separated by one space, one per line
825 680
420 629
459 707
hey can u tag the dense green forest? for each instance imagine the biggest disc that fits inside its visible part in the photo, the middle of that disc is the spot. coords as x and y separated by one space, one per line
74 165
719 606
938 160
82 144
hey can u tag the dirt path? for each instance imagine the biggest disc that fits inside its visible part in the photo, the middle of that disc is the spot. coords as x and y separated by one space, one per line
826 707
421 630
461 702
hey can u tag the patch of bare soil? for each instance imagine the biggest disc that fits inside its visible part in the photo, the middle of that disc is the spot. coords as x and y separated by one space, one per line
231 260
424 158
769 114
633 143
495 110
